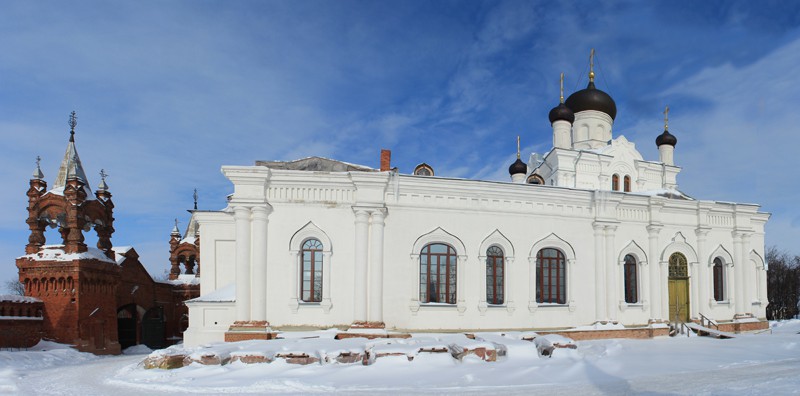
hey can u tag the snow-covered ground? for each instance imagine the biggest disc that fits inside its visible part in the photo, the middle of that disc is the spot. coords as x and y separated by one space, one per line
746 365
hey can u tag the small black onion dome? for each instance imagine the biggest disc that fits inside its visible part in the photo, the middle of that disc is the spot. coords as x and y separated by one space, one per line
666 138
518 167
562 113
592 98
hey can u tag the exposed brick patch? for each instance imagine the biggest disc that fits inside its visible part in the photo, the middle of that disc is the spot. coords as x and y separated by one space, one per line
485 354
206 359
297 358
249 330
368 325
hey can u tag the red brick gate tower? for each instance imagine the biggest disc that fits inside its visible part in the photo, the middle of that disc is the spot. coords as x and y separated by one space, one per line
76 283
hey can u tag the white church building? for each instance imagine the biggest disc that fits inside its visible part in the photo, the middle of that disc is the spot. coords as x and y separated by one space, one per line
589 237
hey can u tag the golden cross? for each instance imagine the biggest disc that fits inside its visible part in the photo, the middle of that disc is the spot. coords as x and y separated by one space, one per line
517 146
591 66
666 118
562 88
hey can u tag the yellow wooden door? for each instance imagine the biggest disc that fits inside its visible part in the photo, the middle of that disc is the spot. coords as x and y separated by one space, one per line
679 299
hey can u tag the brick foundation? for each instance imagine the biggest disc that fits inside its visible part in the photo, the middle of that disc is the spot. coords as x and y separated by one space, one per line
742 327
252 330
637 333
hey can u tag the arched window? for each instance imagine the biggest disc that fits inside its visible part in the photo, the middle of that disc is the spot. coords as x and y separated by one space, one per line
535 179
494 275
423 169
437 274
678 267
551 277
719 280
631 287
627 183
311 280
615 182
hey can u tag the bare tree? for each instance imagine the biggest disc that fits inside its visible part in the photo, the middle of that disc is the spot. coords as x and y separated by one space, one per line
16 287
783 284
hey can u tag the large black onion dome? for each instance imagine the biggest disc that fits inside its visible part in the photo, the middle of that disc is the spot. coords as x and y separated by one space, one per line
592 98
666 138
562 113
518 167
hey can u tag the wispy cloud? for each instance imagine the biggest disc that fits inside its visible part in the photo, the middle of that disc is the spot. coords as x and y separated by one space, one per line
166 93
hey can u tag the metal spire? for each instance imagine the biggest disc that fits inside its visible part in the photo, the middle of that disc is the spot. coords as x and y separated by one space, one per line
195 198
103 186
561 97
517 146
175 230
73 122
666 118
71 164
37 174
591 66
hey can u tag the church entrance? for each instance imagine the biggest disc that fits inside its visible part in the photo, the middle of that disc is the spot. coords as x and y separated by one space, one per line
153 328
678 288
126 326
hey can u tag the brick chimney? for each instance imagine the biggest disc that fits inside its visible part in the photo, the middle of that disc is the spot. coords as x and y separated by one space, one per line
386 160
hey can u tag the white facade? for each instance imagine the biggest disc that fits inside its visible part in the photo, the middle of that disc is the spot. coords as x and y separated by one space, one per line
373 225
600 202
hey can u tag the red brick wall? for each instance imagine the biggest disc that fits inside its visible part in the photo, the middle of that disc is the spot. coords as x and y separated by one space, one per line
79 301
24 332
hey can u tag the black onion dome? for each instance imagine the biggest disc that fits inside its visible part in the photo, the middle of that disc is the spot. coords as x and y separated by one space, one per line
666 138
562 113
518 167
592 98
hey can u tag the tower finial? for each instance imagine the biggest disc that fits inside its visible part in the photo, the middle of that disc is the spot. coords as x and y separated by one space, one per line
666 118
73 122
561 97
37 174
517 146
195 198
175 231
591 66
103 186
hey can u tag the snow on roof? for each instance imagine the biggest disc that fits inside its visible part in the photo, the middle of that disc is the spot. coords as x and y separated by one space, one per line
56 253
60 191
223 294
18 298
185 279
119 252
189 239
665 192
316 164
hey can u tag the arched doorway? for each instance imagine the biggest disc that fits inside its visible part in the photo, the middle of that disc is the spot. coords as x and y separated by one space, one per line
127 324
678 288
153 328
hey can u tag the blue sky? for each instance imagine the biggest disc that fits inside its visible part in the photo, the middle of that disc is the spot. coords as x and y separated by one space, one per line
167 92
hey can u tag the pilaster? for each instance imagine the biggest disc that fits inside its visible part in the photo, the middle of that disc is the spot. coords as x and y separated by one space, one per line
360 268
376 266
241 216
